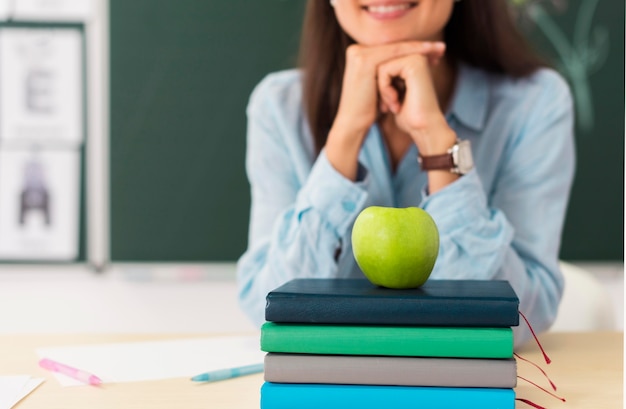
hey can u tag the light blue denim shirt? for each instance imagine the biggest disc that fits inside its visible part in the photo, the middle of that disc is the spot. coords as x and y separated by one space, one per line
503 220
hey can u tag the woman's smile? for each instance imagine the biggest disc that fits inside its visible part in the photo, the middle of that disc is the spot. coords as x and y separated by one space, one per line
389 10
377 22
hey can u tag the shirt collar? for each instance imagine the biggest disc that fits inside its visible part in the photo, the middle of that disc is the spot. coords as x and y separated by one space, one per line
469 103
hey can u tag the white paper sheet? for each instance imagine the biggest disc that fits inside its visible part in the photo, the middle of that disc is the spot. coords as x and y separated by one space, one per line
15 388
143 361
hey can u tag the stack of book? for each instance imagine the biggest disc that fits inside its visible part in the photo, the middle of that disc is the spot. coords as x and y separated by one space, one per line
345 343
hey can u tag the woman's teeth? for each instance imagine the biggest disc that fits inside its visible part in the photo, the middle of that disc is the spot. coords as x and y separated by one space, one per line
389 8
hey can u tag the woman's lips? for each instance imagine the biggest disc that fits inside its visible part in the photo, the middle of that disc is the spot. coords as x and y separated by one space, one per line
386 11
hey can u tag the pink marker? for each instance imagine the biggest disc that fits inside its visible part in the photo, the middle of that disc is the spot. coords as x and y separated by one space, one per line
77 374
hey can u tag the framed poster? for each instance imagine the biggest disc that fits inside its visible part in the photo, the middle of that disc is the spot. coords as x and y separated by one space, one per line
41 83
5 9
39 204
52 10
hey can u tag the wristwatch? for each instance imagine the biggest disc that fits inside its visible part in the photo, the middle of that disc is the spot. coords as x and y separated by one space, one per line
457 160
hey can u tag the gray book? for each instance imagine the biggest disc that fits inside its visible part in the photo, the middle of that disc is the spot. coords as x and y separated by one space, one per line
390 370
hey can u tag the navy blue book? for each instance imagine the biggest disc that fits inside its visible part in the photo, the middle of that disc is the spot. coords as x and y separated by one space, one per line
466 303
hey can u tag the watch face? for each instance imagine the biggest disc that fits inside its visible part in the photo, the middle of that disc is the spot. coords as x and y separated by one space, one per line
462 157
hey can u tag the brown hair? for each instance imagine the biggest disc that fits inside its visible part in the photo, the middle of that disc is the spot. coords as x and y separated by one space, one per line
479 33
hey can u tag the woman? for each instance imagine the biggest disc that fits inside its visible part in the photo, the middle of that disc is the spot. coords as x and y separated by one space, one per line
383 83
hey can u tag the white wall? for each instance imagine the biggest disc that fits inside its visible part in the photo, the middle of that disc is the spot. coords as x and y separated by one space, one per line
153 298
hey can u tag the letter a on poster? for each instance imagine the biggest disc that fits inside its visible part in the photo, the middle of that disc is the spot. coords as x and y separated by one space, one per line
39 204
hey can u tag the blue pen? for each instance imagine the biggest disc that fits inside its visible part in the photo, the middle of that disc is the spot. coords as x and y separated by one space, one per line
228 373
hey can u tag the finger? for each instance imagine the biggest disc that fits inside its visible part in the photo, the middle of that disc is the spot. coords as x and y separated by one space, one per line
434 60
388 93
435 49
383 107
406 69
437 52
380 54
438 48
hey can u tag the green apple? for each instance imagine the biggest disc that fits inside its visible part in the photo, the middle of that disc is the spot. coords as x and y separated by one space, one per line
395 247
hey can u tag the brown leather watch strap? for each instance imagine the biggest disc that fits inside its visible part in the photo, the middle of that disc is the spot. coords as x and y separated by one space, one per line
436 162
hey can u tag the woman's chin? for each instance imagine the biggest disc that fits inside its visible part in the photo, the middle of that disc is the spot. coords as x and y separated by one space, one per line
382 39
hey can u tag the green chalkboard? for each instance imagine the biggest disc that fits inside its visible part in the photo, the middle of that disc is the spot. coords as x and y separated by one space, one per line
181 75
584 40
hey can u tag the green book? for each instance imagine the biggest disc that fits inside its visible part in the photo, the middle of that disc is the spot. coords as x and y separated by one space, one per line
449 342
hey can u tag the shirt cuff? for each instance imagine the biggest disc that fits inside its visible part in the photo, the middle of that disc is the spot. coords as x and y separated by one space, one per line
458 203
337 198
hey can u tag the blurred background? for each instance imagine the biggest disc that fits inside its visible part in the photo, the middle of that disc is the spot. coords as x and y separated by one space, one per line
122 143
